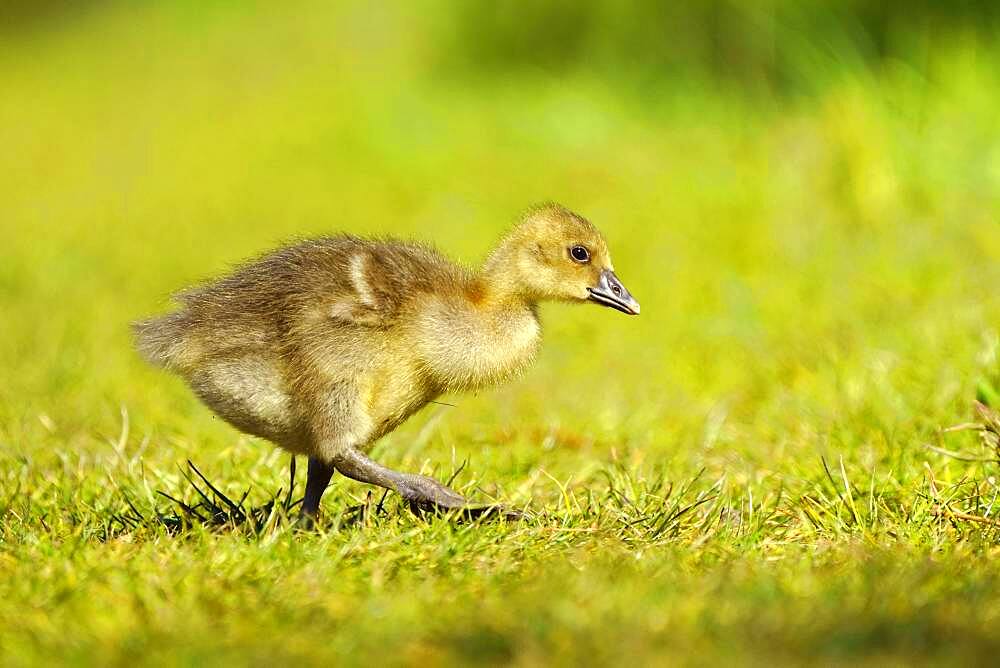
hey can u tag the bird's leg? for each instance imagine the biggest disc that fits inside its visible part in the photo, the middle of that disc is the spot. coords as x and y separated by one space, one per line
316 481
417 489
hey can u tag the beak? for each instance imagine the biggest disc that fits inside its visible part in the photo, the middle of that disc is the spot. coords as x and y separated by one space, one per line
611 292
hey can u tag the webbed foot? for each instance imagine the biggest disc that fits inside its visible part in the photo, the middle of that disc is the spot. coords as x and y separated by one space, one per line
423 493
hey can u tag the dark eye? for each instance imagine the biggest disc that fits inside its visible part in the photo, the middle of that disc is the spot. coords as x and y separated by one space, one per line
580 254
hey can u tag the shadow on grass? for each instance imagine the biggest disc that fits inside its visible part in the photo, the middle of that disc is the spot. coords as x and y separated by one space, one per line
212 508
215 510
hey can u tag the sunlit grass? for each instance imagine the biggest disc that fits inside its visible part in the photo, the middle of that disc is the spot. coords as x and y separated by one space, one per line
756 469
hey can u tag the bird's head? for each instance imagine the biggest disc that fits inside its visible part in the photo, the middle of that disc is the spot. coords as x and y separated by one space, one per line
555 254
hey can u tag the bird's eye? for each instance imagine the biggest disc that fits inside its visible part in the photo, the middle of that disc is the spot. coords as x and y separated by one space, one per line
580 254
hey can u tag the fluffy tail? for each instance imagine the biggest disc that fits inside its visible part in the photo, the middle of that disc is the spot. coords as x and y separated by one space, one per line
160 340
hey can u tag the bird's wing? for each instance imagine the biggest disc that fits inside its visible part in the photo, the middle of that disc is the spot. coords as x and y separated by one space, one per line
379 279
339 280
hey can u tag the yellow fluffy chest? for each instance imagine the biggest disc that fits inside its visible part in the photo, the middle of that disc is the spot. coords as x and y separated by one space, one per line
468 348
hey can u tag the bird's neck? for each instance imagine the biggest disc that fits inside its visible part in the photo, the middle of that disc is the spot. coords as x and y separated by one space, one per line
492 297
500 279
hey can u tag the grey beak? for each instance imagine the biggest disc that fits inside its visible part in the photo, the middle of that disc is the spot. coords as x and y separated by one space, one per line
611 292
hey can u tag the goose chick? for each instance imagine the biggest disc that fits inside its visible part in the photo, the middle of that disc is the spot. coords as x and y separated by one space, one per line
327 345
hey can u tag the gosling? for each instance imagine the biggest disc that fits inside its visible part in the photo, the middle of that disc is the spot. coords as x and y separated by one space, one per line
325 346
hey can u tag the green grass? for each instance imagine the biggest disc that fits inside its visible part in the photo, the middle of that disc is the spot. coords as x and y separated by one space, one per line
738 475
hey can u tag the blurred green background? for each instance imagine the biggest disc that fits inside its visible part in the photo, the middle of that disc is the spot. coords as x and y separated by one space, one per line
804 196
776 179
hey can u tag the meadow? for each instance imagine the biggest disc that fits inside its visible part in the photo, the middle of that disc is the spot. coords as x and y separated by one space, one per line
761 468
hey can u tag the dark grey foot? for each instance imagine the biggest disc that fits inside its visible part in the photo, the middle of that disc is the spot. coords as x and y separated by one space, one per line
474 512
317 480
421 492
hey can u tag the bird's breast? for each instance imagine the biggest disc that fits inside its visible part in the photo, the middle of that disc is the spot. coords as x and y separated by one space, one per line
468 348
